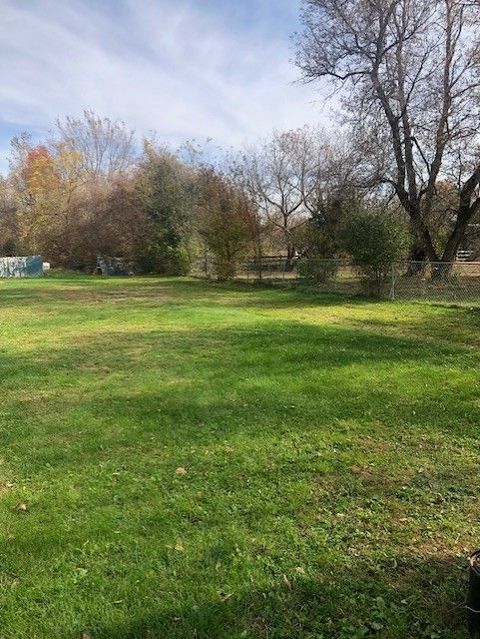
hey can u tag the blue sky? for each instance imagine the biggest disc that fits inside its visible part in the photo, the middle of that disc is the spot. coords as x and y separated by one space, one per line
183 68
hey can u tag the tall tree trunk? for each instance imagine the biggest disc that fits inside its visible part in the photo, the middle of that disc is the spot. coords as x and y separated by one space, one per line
290 256
417 257
466 211
422 232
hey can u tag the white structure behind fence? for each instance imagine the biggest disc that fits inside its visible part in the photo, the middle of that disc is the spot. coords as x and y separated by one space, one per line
27 266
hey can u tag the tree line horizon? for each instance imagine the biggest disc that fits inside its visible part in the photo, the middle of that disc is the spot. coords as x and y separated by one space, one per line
405 164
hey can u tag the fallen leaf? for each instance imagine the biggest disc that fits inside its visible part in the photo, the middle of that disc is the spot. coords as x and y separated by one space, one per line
181 471
287 582
22 507
226 597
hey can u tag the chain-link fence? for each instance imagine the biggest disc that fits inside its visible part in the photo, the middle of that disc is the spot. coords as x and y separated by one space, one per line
436 281
457 282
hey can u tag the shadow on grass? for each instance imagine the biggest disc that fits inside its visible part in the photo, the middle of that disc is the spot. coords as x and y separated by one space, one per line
123 395
408 597
266 366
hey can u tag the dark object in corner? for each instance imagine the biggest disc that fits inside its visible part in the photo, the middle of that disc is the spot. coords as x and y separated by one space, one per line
473 598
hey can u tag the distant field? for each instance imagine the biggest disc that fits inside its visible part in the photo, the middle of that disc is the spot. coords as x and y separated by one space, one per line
204 461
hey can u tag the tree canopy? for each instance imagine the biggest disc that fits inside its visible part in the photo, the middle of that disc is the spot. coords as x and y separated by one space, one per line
408 72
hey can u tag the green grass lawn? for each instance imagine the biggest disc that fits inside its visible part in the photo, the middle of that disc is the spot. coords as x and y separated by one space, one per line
330 448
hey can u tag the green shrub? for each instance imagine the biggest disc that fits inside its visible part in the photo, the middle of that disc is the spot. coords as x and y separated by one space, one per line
315 272
316 238
375 239
165 254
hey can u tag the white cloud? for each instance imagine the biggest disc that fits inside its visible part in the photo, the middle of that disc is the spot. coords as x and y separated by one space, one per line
169 65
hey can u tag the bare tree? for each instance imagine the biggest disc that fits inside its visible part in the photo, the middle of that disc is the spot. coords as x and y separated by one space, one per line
409 75
281 177
297 176
105 146
335 181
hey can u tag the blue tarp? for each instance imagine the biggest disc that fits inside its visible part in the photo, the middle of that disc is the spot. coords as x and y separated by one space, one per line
28 266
